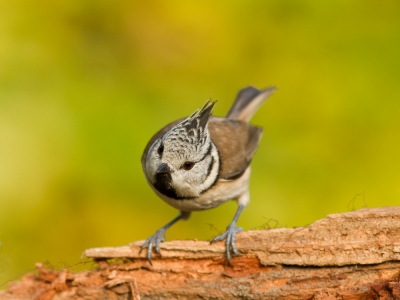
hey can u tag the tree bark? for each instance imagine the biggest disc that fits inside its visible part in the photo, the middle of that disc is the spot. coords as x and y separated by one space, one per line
353 255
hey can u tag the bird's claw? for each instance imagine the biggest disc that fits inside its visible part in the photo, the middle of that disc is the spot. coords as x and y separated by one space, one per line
152 241
230 237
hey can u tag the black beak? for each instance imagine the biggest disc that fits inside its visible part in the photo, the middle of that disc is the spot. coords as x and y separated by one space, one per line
163 181
163 169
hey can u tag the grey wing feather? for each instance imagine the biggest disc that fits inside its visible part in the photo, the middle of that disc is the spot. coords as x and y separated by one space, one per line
248 101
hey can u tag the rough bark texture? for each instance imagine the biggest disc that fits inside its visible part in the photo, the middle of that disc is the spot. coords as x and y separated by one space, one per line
352 255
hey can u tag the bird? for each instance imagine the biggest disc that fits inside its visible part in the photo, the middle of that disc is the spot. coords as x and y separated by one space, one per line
202 161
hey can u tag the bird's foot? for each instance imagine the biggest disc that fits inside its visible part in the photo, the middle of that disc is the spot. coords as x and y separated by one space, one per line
230 236
152 241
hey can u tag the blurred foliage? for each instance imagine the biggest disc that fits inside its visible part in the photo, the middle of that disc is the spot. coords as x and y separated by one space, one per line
85 84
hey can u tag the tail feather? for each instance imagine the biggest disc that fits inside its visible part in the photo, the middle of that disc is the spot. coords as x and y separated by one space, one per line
248 101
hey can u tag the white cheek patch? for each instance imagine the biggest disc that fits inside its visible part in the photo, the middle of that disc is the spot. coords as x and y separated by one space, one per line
193 183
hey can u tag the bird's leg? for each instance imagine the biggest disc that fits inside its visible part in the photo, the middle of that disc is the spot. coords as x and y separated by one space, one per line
230 235
159 236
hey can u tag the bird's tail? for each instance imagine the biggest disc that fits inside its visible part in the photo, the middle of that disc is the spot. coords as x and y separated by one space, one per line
248 101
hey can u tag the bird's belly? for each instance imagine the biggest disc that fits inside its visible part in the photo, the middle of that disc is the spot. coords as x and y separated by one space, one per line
221 192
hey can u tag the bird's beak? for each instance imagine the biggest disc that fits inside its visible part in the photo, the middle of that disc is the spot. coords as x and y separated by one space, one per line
163 169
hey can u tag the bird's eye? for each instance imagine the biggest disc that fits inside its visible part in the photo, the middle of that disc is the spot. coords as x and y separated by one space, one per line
188 165
160 149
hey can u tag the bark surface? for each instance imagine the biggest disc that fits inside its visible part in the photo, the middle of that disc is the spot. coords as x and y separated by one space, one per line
353 255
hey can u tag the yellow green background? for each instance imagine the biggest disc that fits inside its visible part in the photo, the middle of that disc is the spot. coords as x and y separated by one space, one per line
85 84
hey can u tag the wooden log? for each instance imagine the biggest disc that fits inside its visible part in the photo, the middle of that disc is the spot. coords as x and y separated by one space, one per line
353 255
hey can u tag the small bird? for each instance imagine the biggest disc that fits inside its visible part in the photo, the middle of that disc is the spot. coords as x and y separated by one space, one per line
202 161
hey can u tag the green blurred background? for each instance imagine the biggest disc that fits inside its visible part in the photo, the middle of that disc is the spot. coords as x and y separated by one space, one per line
85 84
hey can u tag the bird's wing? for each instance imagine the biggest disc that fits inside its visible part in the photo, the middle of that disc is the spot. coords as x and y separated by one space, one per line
237 142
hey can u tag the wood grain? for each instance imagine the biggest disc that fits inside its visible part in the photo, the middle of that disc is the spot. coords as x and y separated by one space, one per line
353 255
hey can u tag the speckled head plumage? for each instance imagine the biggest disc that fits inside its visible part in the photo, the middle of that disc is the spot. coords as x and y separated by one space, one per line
189 140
